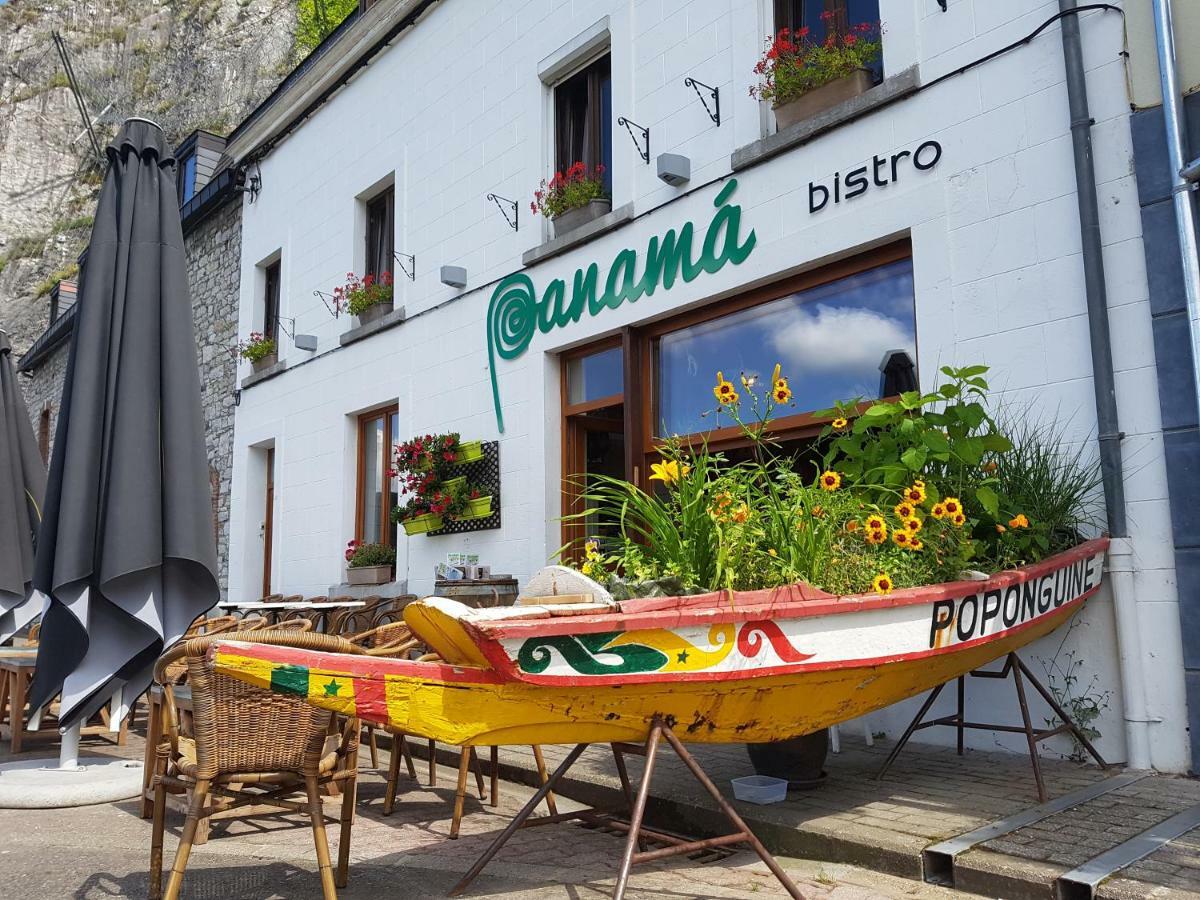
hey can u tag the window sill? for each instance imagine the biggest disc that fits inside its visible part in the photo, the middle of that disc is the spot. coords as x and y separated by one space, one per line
391 320
581 235
897 87
270 372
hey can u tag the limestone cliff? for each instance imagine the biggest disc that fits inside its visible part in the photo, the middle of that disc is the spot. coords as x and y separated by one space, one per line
185 64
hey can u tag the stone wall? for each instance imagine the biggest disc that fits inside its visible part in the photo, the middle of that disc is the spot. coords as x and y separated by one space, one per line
213 258
213 250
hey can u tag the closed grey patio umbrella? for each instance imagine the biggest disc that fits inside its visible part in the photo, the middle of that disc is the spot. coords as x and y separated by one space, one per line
126 552
22 491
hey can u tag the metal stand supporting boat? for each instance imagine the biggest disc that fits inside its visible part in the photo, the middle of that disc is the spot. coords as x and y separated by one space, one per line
635 851
1020 673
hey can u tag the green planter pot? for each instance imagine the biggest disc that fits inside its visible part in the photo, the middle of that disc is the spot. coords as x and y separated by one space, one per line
422 524
479 508
471 451
453 484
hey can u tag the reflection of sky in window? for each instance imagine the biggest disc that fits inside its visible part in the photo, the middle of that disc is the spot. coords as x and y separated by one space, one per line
829 339
595 376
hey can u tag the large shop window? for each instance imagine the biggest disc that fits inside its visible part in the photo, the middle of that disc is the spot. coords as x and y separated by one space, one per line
378 432
832 330
381 233
811 14
271 274
583 120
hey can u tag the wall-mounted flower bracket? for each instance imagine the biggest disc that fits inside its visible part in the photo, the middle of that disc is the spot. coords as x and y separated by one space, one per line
289 331
330 302
714 93
501 203
411 269
629 126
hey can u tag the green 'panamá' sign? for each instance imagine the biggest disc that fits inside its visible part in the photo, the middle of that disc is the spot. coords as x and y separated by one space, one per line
515 311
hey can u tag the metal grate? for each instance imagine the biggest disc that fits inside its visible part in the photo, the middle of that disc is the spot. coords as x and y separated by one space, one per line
484 473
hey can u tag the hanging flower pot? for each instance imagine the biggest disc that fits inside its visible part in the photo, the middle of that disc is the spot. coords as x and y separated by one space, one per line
478 508
469 452
454 485
422 524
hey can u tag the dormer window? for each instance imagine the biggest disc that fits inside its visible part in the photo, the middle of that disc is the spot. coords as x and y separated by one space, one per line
186 178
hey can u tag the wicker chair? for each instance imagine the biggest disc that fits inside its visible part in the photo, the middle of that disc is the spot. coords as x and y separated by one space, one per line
251 746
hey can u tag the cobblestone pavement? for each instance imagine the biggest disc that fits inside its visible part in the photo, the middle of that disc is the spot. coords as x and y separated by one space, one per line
930 794
102 852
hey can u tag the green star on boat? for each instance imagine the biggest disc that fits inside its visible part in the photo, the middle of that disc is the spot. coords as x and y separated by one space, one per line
331 689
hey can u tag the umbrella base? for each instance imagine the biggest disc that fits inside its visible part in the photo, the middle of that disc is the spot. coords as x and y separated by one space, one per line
42 784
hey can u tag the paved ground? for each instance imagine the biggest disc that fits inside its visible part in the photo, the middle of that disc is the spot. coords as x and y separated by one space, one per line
930 794
102 852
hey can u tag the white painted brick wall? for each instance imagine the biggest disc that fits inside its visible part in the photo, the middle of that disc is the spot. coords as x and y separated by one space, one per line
456 111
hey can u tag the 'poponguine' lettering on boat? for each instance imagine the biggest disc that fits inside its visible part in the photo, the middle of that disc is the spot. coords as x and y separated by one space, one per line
515 312
957 620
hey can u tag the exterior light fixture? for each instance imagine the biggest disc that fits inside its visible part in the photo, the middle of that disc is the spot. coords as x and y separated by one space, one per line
305 342
674 169
454 276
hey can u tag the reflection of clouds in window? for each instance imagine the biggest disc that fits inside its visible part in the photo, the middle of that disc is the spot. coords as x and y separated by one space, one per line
839 339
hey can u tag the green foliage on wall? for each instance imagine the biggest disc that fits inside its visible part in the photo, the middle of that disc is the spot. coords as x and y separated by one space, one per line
316 20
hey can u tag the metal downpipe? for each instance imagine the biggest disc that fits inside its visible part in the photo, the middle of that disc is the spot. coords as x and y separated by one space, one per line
1133 688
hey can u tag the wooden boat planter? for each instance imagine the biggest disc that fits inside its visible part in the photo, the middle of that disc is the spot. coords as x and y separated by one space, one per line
744 667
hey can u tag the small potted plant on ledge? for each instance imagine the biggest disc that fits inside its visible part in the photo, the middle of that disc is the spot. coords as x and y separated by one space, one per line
259 350
801 77
572 198
368 298
369 563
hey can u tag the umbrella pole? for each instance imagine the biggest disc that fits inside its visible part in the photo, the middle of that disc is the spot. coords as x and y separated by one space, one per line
68 754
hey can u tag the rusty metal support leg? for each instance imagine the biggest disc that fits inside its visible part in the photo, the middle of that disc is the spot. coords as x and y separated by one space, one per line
912 726
730 813
639 809
626 788
519 819
1060 712
1030 737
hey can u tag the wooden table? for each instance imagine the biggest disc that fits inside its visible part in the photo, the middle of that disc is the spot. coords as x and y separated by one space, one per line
479 592
272 611
17 666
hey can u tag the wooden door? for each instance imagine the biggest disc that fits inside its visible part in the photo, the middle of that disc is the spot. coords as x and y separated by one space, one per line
268 523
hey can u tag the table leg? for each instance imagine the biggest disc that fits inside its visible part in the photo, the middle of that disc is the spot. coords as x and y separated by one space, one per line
17 714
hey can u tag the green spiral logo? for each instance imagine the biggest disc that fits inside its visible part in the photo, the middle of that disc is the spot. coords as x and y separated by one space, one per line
512 320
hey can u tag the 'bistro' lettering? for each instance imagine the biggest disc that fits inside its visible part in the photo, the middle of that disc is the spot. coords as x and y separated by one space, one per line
978 615
856 182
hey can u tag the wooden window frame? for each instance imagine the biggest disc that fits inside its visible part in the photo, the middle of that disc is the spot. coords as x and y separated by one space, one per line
388 414
272 276
639 346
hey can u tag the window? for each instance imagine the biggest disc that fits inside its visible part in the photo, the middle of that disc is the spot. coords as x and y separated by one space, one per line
378 433
187 178
583 119
271 300
843 331
797 14
380 234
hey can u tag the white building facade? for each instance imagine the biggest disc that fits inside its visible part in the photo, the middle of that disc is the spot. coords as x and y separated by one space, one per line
936 218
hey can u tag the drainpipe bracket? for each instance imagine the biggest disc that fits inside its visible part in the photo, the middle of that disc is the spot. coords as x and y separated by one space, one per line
1083 123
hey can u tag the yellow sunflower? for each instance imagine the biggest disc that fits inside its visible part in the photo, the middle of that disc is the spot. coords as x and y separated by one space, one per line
830 480
1019 521
839 423
912 525
938 511
916 493
904 510
876 537
875 523
958 519
725 392
882 584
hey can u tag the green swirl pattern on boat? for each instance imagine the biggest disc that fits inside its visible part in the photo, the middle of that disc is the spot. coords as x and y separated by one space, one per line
584 652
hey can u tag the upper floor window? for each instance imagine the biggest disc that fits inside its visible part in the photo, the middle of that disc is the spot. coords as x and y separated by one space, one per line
380 233
583 119
821 17
186 178
271 274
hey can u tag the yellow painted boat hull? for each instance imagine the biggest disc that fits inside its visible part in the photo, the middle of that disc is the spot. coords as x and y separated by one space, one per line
465 705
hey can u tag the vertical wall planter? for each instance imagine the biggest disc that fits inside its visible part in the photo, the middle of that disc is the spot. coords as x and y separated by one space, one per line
483 472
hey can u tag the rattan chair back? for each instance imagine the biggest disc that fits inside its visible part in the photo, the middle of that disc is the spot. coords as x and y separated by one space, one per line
240 728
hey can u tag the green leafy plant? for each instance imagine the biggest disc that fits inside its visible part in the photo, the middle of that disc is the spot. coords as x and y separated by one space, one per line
359 555
358 295
569 190
257 347
1083 701
793 64
317 19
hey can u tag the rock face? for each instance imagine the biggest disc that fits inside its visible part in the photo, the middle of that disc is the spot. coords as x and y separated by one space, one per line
185 64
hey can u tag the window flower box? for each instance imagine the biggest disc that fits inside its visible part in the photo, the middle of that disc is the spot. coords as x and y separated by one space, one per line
368 574
264 362
422 524
580 216
375 311
819 99
367 298
477 508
